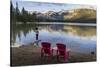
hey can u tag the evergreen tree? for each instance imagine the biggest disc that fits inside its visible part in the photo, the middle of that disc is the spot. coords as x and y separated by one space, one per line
12 13
24 15
18 18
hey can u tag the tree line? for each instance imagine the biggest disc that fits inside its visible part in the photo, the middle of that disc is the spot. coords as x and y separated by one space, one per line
23 15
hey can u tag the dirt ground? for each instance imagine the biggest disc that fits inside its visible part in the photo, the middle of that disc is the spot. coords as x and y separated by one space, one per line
31 55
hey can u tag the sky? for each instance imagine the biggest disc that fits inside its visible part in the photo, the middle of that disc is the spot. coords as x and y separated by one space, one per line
44 7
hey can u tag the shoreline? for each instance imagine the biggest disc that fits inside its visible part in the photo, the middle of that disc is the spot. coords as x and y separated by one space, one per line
31 55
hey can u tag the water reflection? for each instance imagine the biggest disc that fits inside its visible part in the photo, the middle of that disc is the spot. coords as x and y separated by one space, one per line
70 34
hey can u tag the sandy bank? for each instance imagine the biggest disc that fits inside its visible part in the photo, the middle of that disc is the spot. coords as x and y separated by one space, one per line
30 55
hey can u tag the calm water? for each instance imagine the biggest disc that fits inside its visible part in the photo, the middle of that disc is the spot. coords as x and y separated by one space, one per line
71 35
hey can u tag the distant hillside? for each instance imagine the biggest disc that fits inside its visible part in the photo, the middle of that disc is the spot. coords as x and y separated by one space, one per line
81 15
74 15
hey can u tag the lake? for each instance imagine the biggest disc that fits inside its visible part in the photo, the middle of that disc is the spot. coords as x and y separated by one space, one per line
72 35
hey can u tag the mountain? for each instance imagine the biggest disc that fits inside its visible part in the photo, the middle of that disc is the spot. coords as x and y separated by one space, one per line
74 15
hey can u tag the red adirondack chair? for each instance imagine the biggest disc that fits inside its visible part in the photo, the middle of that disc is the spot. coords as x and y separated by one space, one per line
46 49
62 52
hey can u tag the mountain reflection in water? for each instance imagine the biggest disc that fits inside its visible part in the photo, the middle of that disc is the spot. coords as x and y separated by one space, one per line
53 33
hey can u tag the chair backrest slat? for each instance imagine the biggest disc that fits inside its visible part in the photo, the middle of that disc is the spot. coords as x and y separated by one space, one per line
61 48
46 47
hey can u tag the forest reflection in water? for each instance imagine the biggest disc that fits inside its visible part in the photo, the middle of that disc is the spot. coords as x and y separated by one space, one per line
25 33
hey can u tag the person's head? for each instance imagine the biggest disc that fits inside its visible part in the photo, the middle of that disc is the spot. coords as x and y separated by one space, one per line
36 28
